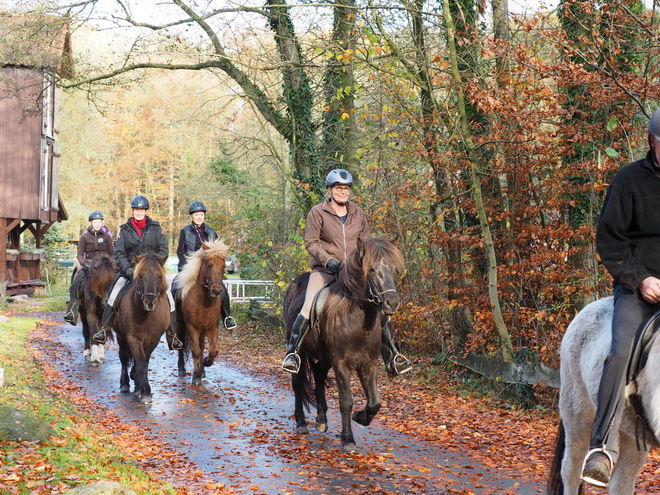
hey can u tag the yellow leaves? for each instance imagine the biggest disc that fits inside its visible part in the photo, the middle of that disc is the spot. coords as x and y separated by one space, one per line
344 116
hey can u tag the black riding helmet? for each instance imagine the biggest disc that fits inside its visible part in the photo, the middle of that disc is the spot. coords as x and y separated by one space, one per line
339 176
95 215
196 206
140 202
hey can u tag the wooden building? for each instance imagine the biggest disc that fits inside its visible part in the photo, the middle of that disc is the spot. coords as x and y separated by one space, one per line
34 52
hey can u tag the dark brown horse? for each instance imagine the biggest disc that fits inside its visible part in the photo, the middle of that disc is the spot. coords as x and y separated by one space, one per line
199 306
345 334
142 318
102 273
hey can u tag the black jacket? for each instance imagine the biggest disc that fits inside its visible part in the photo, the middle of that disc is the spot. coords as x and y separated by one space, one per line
189 241
130 244
628 235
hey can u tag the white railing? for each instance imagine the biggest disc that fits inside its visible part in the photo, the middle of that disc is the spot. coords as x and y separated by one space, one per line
250 290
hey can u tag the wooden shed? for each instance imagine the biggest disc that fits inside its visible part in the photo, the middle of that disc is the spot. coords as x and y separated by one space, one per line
34 52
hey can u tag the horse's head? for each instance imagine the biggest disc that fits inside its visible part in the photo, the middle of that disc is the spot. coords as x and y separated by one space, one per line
212 269
150 279
381 263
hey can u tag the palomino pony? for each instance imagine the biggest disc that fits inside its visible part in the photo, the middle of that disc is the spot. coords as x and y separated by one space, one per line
142 318
584 348
199 306
345 334
102 273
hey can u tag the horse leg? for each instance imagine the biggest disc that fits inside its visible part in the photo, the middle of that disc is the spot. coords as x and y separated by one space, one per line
320 377
197 349
343 376
141 372
369 381
214 348
630 463
125 359
86 334
182 363
298 381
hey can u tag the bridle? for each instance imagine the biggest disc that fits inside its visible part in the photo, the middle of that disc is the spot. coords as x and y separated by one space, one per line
374 295
208 284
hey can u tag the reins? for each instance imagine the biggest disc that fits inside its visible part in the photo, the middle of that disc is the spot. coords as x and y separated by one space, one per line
374 295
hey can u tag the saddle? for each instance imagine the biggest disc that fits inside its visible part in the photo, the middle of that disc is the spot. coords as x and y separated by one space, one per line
318 303
636 364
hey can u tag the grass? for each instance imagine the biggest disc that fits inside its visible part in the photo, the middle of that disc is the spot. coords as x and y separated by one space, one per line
80 453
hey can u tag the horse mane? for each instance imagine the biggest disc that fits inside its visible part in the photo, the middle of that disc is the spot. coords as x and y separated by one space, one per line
151 261
352 279
210 250
103 272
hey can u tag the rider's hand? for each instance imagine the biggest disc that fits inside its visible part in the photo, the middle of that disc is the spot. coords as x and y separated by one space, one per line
650 290
333 265
129 272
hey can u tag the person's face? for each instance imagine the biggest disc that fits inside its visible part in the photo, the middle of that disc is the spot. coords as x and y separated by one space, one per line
198 217
139 213
340 193
97 224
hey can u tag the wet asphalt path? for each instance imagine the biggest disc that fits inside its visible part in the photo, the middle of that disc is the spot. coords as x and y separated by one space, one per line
233 427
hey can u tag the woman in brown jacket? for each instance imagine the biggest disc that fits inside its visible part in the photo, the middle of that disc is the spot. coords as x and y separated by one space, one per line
95 240
332 231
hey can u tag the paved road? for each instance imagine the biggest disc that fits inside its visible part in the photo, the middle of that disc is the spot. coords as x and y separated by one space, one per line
233 429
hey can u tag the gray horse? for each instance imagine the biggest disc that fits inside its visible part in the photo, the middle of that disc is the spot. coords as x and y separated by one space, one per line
584 348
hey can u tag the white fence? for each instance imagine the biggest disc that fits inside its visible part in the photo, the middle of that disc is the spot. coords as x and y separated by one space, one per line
250 290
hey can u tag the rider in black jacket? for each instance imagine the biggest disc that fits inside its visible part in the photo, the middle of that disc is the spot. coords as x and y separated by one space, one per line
139 235
190 240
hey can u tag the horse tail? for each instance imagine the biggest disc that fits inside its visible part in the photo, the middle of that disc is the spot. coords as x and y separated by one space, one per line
305 382
555 483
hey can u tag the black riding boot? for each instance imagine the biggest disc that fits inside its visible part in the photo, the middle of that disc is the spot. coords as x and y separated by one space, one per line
225 312
173 341
291 362
106 323
71 315
395 362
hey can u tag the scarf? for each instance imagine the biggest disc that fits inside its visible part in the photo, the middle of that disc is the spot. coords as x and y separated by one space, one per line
138 226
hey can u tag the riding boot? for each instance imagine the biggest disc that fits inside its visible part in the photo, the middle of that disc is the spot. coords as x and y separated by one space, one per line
173 341
106 323
395 362
300 328
71 315
225 312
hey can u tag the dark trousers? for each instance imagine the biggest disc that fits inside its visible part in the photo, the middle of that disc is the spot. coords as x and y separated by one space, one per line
631 312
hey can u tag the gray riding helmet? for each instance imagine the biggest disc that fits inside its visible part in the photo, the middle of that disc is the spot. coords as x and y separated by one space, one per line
654 124
339 176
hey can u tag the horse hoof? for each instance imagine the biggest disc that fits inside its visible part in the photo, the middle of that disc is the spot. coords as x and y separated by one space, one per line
302 430
87 354
197 381
146 399
182 373
208 362
125 389
321 427
349 448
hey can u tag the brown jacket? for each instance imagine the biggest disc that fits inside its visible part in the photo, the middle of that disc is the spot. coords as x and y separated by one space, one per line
94 243
327 237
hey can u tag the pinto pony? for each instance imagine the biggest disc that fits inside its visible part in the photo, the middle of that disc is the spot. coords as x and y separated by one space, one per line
199 306
142 318
102 273
584 348
345 334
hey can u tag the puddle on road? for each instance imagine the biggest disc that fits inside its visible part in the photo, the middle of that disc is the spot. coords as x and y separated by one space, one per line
236 428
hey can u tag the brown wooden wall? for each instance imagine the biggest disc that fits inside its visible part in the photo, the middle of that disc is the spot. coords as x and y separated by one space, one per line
28 161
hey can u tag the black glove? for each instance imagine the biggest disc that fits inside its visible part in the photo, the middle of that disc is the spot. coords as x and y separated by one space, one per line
85 265
333 265
129 272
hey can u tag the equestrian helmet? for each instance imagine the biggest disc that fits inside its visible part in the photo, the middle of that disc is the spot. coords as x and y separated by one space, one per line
95 215
196 206
654 124
339 176
140 202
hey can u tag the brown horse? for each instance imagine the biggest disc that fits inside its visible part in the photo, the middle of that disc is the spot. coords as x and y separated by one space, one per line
102 273
142 318
345 334
199 306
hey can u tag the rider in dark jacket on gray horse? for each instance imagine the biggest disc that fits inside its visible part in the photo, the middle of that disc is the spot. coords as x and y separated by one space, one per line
190 240
139 235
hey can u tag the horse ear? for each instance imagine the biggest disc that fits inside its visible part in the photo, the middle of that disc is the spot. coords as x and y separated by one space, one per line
205 246
162 260
395 239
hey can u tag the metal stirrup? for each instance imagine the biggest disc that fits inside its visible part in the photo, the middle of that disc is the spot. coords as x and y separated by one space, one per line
396 365
296 358
230 323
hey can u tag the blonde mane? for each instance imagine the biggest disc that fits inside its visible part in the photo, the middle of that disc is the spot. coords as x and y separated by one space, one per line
187 278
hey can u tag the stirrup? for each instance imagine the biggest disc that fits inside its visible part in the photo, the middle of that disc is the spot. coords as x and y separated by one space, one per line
401 364
100 337
69 317
230 323
296 358
177 345
593 481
